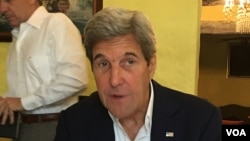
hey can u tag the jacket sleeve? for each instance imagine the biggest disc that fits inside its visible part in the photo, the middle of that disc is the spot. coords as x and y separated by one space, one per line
212 129
62 133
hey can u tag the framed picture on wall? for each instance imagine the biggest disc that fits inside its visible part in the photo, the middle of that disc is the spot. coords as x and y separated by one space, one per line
79 11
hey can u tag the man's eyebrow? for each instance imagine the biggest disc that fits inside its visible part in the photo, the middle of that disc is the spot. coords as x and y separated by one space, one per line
98 56
131 54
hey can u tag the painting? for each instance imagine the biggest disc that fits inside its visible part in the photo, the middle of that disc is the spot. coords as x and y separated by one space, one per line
212 2
79 11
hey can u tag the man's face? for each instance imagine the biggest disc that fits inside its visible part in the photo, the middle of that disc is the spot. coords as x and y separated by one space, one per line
122 76
15 11
63 6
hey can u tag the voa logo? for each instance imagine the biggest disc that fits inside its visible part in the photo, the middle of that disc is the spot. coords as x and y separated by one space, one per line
236 132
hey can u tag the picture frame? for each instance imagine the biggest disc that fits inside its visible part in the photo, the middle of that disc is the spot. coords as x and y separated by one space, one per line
79 11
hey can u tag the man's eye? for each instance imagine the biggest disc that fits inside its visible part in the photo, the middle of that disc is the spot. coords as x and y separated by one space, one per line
131 62
128 62
103 64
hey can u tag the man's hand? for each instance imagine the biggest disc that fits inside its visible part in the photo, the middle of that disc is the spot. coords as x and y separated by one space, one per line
14 103
5 111
7 107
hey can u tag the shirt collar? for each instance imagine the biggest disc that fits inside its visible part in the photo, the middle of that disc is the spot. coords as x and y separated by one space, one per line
37 17
36 20
149 114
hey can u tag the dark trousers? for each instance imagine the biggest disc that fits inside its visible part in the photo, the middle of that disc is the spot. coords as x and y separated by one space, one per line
43 131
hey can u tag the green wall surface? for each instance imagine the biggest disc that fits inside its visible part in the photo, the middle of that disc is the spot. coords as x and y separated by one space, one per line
3 87
3 54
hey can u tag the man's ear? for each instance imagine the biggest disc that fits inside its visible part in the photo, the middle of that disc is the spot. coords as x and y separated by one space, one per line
152 66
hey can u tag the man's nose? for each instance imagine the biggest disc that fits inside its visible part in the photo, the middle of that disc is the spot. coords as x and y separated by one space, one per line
116 77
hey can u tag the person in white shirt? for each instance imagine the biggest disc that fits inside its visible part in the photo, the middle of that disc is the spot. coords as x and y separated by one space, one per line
128 104
46 68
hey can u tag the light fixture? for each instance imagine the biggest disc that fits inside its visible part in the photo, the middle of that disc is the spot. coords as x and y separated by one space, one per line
241 13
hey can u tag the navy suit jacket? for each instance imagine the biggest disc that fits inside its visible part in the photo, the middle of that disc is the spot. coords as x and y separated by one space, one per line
188 117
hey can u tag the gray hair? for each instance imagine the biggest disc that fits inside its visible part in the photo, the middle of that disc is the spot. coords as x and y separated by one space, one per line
112 22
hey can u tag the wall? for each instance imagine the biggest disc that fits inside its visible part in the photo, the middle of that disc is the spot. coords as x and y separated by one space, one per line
214 85
3 87
177 40
3 53
176 24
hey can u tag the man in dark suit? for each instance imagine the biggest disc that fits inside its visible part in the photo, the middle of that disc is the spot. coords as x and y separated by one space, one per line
129 105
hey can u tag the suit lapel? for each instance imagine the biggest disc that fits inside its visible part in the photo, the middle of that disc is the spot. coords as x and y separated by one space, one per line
163 121
102 130
102 126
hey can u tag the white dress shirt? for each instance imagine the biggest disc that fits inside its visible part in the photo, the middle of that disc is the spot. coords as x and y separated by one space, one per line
144 133
46 63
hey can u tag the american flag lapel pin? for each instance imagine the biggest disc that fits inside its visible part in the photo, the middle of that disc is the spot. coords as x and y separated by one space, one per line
169 134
